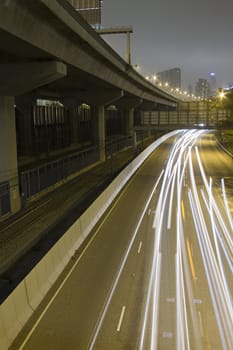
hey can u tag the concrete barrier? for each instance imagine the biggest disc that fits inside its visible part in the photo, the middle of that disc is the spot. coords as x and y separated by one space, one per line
20 302
9 318
4 341
33 289
75 236
18 307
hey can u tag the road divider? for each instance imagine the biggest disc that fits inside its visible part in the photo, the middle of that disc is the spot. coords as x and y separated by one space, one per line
16 310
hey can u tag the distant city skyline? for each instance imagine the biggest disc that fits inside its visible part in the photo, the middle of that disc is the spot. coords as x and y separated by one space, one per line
194 36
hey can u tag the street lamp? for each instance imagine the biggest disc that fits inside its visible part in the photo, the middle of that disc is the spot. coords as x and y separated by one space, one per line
221 95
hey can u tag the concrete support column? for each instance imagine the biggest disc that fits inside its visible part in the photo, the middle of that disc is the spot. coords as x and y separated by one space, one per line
8 150
98 128
24 105
72 104
128 122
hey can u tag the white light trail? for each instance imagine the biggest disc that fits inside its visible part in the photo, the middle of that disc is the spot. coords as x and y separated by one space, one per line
213 266
213 243
174 174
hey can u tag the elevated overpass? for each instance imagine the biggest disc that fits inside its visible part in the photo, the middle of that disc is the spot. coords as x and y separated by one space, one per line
48 51
69 59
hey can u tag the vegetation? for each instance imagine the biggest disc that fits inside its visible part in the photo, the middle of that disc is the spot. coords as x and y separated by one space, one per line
225 133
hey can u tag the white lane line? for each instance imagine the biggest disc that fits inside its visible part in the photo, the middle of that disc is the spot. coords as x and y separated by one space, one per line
121 318
73 268
149 212
139 247
200 322
117 277
170 300
167 334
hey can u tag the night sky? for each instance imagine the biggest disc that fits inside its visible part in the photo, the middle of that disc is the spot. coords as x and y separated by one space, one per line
195 35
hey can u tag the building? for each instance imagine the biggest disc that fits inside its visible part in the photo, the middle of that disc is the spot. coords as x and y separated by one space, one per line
90 10
170 76
212 85
202 88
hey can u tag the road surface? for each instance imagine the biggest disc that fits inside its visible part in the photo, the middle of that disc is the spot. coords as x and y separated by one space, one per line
157 271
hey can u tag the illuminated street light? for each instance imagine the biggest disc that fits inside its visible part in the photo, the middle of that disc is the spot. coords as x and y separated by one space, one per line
221 95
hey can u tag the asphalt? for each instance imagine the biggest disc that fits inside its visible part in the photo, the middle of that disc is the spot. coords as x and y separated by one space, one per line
27 236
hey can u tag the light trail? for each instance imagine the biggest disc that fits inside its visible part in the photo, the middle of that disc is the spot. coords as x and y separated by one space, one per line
174 174
220 294
172 191
189 329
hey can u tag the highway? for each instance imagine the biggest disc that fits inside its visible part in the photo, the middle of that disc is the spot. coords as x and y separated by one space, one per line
156 272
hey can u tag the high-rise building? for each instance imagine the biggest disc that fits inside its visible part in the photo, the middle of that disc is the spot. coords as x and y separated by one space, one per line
170 76
212 84
90 10
202 88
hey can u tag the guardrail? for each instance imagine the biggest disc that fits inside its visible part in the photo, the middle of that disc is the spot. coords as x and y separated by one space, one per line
20 305
37 179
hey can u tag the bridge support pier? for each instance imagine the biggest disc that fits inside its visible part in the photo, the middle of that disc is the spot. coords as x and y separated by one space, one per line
98 129
72 104
128 122
8 151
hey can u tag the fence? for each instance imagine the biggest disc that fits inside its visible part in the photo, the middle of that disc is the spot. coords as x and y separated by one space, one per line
35 180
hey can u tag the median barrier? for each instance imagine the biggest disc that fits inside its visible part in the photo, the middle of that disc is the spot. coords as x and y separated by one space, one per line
42 272
33 289
20 302
63 252
74 233
55 260
10 322
45 273
4 341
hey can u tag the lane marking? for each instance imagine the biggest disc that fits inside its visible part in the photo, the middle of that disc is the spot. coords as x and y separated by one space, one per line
73 267
167 334
200 323
117 277
191 260
182 208
170 300
140 247
208 343
121 318
151 211
197 301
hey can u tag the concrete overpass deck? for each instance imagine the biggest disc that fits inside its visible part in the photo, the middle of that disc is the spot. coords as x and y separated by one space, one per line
49 47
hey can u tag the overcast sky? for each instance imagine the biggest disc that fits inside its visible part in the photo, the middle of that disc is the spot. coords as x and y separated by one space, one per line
195 35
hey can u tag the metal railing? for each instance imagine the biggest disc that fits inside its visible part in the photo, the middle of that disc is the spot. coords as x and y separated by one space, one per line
116 145
37 179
